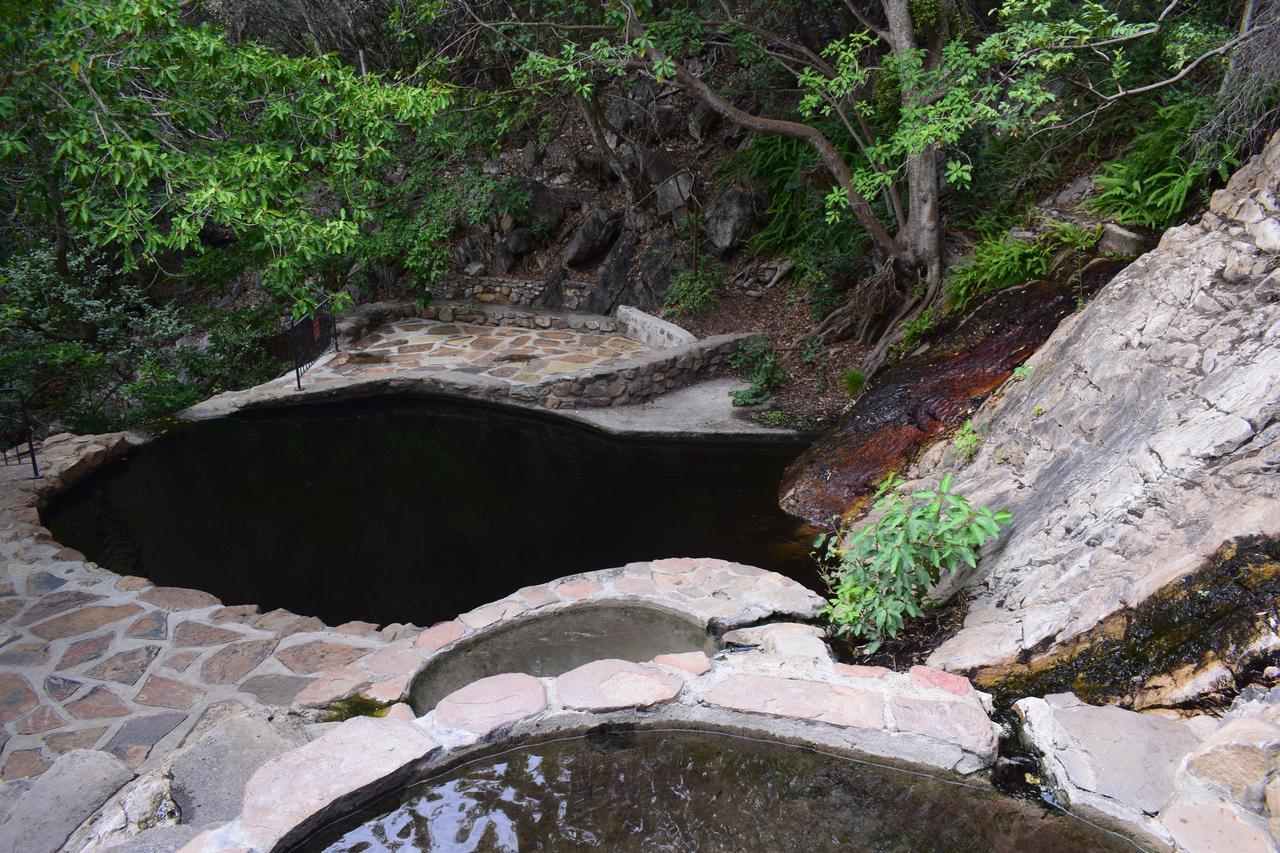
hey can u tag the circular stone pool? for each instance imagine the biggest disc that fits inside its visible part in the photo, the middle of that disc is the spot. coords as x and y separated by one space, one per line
418 509
556 643
681 790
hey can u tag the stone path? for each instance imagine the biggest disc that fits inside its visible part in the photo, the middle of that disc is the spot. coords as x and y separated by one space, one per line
93 660
514 355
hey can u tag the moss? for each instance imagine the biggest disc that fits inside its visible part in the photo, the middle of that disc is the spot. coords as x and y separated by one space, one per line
1214 613
355 706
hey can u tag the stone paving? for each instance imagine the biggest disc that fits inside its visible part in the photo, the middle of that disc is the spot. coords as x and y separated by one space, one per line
787 686
515 355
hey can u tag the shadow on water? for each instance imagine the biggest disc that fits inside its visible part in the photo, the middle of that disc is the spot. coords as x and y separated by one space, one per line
415 510
683 790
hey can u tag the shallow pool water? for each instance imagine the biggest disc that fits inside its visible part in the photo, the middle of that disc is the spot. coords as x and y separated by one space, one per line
687 791
555 643
415 510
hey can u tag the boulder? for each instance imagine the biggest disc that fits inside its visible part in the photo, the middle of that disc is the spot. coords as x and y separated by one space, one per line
594 235
702 121
65 795
1115 762
672 196
732 219
613 280
1117 240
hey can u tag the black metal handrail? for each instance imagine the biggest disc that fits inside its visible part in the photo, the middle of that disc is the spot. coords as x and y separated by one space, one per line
24 427
310 338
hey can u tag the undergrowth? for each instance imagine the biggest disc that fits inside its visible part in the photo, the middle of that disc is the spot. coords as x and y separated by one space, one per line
767 372
999 261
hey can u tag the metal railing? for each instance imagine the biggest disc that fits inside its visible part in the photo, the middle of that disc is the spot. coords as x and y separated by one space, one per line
310 338
15 428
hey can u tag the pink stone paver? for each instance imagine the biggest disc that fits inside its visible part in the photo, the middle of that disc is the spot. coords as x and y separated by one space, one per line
483 705
301 783
482 617
674 565
801 700
537 596
333 685
440 635
611 684
403 657
693 662
388 691
576 590
927 676
959 722
854 670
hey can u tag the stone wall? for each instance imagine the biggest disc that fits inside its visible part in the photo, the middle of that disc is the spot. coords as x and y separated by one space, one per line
357 322
636 380
496 290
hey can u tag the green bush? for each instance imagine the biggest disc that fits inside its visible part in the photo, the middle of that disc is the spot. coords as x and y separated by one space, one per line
881 574
767 372
93 352
913 332
1156 177
966 441
692 294
999 261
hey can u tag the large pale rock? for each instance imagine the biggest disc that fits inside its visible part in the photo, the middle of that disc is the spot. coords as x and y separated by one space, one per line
1145 438
304 786
1117 762
46 814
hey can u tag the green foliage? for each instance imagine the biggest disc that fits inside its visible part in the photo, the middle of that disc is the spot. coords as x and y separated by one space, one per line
1000 261
914 332
1021 372
966 441
1156 177
822 253
94 352
766 372
880 575
853 381
140 131
694 293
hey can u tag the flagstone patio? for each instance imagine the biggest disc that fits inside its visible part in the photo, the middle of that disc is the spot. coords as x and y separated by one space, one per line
514 355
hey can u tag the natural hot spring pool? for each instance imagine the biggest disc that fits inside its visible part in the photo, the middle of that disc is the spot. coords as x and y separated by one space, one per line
415 510
686 791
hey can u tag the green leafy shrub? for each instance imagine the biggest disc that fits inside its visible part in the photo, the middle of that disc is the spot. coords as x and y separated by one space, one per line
966 441
914 331
693 293
767 372
881 574
1156 177
999 261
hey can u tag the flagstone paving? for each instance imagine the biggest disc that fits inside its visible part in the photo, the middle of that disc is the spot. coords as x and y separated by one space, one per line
514 355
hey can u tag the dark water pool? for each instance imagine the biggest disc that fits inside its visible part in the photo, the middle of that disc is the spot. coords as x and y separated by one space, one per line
398 510
685 791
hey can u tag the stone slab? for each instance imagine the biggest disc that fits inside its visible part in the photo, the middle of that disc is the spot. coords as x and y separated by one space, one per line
61 799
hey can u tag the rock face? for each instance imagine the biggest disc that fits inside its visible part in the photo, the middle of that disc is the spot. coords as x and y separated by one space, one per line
1203 785
1146 437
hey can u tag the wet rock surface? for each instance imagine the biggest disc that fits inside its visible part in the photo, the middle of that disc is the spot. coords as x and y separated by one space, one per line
1146 436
